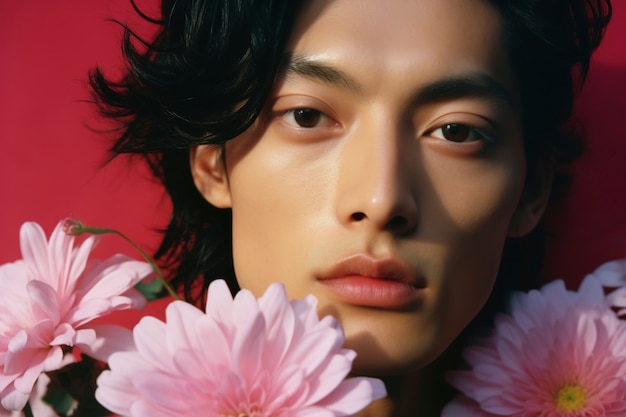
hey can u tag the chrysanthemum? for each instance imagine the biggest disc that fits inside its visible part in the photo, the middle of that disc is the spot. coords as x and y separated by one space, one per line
613 276
36 403
49 299
559 354
271 358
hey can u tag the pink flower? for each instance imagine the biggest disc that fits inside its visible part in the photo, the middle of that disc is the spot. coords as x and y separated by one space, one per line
38 407
242 358
613 275
49 299
559 353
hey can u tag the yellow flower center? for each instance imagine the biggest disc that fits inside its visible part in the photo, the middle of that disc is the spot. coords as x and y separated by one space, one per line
570 397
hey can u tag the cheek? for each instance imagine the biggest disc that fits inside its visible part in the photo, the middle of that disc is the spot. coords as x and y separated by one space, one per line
276 199
253 199
477 202
477 199
256 235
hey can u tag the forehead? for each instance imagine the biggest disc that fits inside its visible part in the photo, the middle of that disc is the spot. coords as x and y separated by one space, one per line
375 39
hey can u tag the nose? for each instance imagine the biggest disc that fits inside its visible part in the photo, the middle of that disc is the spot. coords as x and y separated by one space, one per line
375 179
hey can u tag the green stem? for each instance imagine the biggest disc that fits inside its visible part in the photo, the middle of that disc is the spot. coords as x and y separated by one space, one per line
80 228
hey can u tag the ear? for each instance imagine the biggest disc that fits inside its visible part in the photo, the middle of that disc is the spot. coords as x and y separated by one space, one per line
209 174
534 200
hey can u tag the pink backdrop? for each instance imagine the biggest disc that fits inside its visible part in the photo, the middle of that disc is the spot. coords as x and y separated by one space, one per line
50 160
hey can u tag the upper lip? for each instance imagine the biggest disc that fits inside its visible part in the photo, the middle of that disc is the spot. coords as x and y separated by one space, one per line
388 268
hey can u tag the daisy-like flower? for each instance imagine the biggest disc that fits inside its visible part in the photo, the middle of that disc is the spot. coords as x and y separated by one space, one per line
613 276
38 407
558 354
49 299
243 357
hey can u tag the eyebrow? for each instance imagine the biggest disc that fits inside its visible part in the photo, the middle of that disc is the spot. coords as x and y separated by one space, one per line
470 85
309 67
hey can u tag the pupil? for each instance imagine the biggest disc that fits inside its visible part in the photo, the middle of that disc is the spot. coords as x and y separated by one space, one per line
307 117
456 132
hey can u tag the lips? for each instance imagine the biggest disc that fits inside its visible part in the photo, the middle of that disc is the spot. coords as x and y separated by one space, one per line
371 282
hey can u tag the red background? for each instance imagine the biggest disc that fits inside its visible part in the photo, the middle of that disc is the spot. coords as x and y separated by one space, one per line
51 161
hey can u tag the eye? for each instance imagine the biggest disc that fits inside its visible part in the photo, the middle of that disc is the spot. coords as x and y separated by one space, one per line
456 132
306 117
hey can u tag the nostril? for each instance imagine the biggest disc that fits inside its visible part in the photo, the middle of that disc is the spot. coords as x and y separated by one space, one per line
358 216
400 224
396 223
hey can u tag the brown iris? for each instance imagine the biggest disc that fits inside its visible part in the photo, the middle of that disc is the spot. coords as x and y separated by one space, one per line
456 132
307 117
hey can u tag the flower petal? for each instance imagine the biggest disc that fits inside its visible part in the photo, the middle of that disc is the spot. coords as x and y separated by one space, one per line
242 356
582 344
34 248
353 395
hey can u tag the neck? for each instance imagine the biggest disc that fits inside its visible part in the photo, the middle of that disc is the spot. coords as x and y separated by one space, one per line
422 393
401 399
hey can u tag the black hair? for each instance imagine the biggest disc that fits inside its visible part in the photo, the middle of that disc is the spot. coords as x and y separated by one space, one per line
205 77
202 80
550 43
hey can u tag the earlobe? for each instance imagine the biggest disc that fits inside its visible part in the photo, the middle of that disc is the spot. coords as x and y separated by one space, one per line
534 200
209 174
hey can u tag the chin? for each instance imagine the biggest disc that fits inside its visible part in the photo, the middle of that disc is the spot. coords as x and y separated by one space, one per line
376 360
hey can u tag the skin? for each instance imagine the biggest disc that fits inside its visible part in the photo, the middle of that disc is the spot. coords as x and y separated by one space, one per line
369 171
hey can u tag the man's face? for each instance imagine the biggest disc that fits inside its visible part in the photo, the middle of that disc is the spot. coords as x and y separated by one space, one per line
384 175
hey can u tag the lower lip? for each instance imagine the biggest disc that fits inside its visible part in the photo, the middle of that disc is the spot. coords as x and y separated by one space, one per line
374 292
